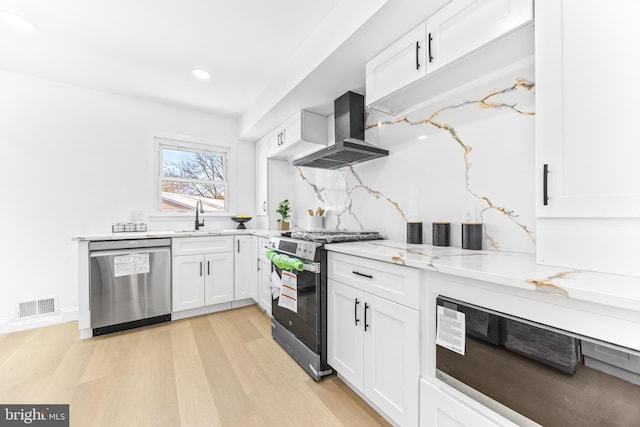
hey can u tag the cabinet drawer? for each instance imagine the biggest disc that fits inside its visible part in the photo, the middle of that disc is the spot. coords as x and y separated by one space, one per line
201 245
393 282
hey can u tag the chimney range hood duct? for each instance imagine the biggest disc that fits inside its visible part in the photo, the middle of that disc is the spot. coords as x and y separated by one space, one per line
350 147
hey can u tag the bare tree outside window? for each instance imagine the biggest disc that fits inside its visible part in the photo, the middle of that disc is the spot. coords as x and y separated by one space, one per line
189 176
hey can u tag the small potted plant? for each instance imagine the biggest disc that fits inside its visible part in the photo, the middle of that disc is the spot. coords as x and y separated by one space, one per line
283 210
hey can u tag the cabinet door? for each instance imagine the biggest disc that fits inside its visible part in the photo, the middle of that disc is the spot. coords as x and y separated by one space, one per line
264 284
187 284
261 177
397 66
218 283
466 25
438 409
586 62
392 358
345 331
274 141
245 268
291 130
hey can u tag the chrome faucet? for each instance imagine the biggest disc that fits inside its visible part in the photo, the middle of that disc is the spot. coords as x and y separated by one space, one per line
199 222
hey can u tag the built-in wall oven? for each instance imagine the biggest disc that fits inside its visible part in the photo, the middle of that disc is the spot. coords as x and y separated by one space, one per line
535 374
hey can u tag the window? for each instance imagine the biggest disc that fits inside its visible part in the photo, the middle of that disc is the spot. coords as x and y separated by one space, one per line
189 173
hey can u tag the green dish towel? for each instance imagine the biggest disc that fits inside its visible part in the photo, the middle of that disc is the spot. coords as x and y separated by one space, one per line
285 262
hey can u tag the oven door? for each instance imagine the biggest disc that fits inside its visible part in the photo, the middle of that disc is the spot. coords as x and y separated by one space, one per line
534 374
303 322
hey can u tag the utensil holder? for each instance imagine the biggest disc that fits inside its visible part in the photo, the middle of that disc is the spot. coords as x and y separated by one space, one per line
316 222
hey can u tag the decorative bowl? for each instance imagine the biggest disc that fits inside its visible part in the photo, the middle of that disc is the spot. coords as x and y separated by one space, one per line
241 220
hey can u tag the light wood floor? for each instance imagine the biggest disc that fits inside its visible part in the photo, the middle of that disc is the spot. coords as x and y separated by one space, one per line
222 369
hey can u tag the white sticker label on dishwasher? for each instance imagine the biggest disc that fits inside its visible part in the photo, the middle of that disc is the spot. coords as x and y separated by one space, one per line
127 265
451 329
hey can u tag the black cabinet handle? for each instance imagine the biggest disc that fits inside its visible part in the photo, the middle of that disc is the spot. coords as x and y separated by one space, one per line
417 55
200 268
208 268
429 49
368 276
264 205
355 311
366 307
238 246
545 182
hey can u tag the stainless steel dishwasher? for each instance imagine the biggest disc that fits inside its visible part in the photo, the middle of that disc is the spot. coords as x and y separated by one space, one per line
130 283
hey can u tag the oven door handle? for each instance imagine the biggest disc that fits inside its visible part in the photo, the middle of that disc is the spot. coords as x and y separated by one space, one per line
312 267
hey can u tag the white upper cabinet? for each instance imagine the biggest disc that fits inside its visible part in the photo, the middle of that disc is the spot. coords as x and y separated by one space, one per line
466 25
397 66
402 75
588 182
302 133
262 183
586 63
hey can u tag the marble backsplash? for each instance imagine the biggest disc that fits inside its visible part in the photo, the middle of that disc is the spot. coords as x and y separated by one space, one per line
469 157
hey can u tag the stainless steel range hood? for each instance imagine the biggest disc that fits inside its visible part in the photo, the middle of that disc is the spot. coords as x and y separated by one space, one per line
350 147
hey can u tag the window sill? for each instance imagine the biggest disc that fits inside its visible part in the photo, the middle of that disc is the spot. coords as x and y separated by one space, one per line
188 215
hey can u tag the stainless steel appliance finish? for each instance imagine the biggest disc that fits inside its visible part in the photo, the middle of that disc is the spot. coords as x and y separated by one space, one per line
303 333
534 374
350 147
130 283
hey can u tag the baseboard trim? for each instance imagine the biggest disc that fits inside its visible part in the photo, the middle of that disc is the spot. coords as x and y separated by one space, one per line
63 316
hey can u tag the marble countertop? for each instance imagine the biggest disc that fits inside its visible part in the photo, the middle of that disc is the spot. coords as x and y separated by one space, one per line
179 233
504 268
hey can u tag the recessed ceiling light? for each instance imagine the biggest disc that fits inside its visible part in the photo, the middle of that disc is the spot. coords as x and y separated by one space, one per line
16 21
423 137
201 74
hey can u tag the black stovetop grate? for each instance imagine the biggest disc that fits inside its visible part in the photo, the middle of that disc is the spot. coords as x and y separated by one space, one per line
335 236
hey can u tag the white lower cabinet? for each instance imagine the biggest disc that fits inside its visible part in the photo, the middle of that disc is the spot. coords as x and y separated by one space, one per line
245 268
264 276
439 409
202 272
374 344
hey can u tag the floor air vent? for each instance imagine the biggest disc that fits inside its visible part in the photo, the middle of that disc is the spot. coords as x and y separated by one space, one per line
37 307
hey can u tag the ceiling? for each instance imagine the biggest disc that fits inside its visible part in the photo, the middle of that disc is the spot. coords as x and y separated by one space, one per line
266 58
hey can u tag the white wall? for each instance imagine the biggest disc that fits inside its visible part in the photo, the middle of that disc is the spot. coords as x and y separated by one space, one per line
76 161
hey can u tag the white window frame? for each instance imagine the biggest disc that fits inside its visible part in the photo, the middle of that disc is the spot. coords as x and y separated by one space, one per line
192 145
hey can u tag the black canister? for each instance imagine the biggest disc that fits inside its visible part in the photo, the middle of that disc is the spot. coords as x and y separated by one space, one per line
414 233
441 232
472 235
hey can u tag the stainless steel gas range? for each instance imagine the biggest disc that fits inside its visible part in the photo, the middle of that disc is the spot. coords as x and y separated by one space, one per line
299 322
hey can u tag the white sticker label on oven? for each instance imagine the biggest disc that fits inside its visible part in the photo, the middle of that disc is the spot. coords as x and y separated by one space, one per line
451 329
127 265
289 292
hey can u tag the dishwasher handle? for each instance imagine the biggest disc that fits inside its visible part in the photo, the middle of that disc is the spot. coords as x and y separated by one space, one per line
117 252
128 244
